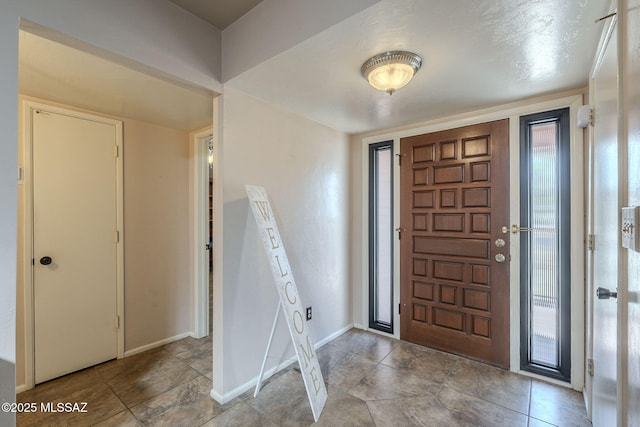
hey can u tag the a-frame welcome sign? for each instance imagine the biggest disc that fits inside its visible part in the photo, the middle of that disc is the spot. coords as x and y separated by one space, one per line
289 301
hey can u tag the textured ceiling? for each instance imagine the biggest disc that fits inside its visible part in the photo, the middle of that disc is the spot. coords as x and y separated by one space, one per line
220 13
476 54
59 73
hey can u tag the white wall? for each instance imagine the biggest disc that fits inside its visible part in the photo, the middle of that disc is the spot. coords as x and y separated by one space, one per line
158 292
304 168
156 35
8 207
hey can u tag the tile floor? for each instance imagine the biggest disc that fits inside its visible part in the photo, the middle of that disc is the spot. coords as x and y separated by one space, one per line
371 381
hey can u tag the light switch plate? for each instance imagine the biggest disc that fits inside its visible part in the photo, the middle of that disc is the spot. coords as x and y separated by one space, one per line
630 228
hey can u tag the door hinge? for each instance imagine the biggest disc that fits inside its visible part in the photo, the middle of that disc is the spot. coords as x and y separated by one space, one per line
590 367
591 242
399 155
116 236
116 151
117 322
399 308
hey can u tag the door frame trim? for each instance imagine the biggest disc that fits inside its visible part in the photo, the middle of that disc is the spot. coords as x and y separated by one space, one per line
200 219
512 111
29 312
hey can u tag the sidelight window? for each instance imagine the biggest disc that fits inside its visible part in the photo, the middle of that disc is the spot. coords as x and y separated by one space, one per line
381 236
545 244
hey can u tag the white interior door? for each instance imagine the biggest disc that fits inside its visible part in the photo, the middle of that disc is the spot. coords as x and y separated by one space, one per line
75 220
632 94
606 231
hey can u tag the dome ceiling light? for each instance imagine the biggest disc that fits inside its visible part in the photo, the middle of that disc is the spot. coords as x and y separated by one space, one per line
390 71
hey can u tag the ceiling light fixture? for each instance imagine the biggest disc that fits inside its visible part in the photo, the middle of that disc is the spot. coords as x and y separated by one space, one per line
390 71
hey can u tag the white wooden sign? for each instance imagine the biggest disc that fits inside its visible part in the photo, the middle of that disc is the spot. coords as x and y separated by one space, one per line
289 299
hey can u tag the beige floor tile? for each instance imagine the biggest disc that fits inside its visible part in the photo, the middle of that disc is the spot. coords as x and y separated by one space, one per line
284 401
371 380
384 382
122 419
368 345
140 385
101 404
240 415
344 410
146 361
421 361
343 370
199 358
472 411
186 405
493 384
409 412
185 345
557 405
60 387
534 422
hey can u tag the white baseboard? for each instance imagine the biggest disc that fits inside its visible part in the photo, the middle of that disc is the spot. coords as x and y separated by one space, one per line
156 344
381 333
358 326
333 336
22 387
217 397
227 397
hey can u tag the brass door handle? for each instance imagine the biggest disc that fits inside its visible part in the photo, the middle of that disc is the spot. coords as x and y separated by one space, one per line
515 228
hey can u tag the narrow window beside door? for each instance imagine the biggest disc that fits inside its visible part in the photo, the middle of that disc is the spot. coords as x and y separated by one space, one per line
545 244
381 236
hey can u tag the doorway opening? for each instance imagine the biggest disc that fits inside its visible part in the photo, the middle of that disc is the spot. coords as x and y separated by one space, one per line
210 247
545 244
157 118
203 184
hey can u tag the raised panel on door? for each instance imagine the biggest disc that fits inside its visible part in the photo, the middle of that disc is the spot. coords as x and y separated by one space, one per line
454 202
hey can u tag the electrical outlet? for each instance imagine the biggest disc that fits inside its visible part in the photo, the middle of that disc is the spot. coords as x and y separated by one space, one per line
308 313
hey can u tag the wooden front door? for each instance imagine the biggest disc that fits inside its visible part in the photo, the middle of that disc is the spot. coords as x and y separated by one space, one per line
454 193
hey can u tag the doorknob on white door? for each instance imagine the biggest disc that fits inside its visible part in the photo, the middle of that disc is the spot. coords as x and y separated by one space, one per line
604 293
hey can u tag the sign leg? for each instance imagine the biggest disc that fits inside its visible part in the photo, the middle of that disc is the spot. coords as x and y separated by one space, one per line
266 353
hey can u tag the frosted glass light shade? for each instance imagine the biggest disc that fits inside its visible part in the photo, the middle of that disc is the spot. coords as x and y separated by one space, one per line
390 71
